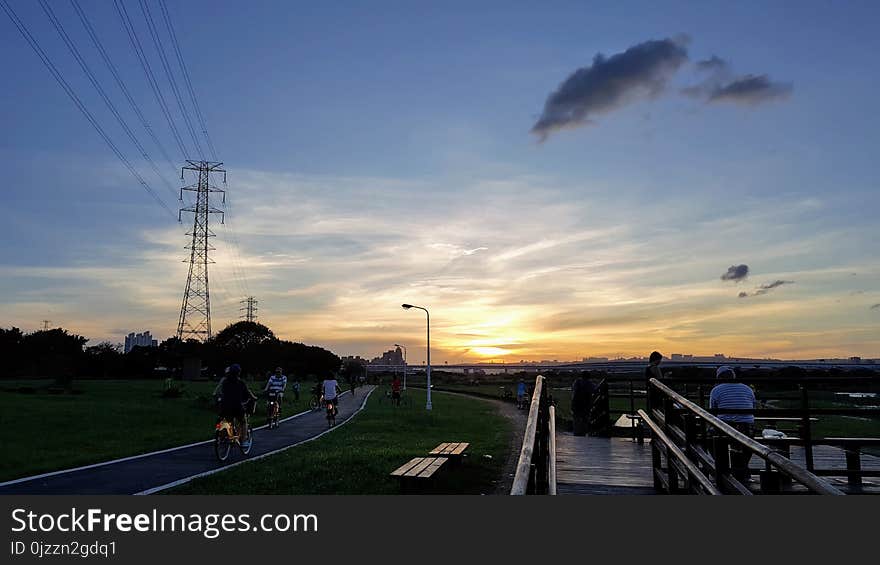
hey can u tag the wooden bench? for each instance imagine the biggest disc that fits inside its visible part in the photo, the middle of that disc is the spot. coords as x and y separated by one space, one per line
451 450
418 470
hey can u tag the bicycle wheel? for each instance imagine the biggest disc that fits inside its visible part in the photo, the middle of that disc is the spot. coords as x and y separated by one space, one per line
313 403
246 446
221 445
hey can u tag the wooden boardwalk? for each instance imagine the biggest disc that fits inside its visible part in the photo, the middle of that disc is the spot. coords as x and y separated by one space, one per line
601 465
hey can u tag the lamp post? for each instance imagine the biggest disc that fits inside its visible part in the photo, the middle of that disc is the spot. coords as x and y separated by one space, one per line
404 363
407 307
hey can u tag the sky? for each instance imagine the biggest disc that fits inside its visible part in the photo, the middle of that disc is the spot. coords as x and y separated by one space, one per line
551 180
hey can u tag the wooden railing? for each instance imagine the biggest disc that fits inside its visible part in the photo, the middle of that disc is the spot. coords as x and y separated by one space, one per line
536 468
695 451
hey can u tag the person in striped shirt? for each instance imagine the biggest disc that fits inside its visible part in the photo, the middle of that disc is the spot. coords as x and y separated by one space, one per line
275 387
735 396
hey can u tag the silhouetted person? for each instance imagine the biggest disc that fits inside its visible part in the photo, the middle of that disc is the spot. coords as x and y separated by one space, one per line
581 402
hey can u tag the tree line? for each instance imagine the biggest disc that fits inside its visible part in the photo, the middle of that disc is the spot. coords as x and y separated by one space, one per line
63 355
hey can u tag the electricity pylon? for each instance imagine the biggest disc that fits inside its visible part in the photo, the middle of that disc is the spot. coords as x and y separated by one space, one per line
249 308
195 312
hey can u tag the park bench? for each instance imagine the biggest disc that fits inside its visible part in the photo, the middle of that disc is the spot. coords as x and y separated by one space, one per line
450 450
417 471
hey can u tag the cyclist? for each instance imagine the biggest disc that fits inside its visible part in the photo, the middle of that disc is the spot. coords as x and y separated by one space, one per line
331 392
275 386
233 396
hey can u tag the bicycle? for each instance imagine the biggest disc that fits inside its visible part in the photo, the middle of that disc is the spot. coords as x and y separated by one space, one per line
331 412
273 410
316 402
227 433
506 395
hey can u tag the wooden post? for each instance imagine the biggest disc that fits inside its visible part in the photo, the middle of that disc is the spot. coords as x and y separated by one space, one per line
854 466
806 432
721 454
690 439
671 472
656 463
632 412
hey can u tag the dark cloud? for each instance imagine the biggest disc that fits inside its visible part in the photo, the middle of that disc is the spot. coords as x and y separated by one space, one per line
765 288
750 90
743 294
642 71
713 63
875 306
736 273
723 86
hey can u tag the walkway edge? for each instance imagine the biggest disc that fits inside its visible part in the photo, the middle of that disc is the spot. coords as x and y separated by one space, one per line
185 480
133 457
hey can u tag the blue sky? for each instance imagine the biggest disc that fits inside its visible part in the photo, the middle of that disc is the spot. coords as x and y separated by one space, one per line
381 153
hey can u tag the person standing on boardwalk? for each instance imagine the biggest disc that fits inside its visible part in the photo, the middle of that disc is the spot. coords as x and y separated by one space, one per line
581 403
735 396
652 371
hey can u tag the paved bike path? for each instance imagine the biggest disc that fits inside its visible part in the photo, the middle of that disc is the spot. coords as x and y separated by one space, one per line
151 472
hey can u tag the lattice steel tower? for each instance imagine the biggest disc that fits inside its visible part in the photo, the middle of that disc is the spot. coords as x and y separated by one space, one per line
249 307
195 312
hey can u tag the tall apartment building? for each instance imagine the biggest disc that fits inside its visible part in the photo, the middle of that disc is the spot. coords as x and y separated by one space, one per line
133 340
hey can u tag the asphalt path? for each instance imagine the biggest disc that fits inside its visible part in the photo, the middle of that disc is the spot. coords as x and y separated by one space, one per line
159 470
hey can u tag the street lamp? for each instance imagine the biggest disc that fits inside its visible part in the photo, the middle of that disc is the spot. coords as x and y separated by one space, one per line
404 363
407 307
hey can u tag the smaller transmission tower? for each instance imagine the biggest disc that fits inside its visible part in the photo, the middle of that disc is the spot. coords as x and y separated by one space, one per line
195 312
46 325
249 307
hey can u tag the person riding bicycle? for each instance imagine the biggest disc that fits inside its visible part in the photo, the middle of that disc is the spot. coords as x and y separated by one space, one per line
331 392
521 393
234 396
275 387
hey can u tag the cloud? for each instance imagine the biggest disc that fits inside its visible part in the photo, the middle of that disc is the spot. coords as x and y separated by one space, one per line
712 64
722 85
736 273
750 90
743 294
765 288
640 72
875 306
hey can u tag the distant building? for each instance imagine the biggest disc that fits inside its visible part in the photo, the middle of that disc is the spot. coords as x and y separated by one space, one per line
133 340
390 357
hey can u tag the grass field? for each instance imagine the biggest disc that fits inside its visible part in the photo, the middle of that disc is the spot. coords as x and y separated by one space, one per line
102 420
358 457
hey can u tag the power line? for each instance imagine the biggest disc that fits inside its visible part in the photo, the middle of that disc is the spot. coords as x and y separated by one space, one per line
148 72
88 71
109 62
185 72
157 41
31 40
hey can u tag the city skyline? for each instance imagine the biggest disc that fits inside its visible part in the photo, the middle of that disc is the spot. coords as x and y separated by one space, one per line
720 196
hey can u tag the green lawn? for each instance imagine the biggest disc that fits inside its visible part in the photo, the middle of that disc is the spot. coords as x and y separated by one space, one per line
358 457
102 420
